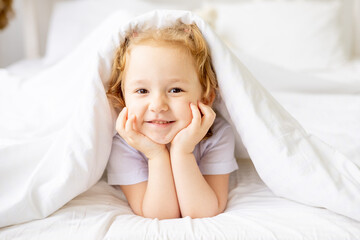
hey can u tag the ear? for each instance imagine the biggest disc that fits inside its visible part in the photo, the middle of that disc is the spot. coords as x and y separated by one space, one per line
209 99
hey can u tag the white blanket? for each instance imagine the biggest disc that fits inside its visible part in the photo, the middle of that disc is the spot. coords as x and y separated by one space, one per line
56 130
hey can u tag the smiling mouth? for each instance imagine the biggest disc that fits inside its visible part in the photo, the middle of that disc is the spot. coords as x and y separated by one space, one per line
160 122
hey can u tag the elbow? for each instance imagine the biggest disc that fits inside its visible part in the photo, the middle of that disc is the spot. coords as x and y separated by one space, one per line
202 214
161 214
158 212
205 212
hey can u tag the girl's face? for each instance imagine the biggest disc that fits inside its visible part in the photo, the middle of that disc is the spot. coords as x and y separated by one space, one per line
160 83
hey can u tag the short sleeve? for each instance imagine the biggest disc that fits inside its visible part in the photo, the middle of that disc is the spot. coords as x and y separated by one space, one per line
126 165
217 152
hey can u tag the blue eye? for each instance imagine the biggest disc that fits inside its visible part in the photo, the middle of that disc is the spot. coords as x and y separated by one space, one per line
176 90
142 91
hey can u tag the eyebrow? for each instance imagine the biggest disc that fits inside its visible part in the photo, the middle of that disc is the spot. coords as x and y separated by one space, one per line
175 80
171 80
138 81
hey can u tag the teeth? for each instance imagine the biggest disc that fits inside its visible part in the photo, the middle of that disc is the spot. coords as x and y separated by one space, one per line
161 122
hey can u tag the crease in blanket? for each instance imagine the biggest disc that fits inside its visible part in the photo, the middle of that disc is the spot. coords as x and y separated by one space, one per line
56 132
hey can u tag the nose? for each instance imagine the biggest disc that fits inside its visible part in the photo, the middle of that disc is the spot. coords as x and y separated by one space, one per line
158 103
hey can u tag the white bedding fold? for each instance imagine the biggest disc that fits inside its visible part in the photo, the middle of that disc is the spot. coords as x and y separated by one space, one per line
57 127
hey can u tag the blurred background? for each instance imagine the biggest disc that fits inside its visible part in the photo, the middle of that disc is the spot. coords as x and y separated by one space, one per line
293 34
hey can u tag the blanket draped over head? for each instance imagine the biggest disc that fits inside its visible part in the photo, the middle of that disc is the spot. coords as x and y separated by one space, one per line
56 129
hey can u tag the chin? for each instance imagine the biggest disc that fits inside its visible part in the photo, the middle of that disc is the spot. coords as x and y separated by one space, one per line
160 140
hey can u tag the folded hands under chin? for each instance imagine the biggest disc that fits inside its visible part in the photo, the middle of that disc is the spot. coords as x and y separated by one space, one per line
184 141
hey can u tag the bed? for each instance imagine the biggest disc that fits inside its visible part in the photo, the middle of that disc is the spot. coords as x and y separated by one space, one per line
322 95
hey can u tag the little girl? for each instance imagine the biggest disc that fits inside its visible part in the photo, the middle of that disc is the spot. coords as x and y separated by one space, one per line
166 159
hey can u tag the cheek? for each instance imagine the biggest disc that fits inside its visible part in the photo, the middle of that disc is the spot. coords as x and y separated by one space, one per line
136 110
183 112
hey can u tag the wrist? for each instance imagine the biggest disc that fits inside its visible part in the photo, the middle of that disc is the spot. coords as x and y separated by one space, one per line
181 157
157 153
174 151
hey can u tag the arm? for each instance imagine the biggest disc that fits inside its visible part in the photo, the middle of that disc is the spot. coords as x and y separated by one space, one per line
198 196
155 198
220 185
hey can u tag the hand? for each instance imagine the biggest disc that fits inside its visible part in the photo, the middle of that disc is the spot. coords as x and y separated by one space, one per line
126 127
186 140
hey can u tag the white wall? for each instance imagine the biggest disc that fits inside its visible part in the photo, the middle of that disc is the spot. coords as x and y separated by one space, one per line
13 46
43 13
357 27
11 38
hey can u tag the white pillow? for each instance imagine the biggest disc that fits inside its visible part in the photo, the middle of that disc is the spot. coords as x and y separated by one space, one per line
292 34
72 21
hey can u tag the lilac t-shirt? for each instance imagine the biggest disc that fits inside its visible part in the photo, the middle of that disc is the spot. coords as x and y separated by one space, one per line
214 156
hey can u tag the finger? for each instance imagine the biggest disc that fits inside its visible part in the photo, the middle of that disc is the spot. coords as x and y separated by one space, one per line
134 126
208 114
196 115
129 126
132 136
121 120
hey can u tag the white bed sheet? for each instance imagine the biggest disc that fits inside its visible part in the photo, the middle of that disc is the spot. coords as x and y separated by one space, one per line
253 212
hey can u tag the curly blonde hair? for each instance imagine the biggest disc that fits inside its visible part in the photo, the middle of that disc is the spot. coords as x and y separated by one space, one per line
183 35
6 12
